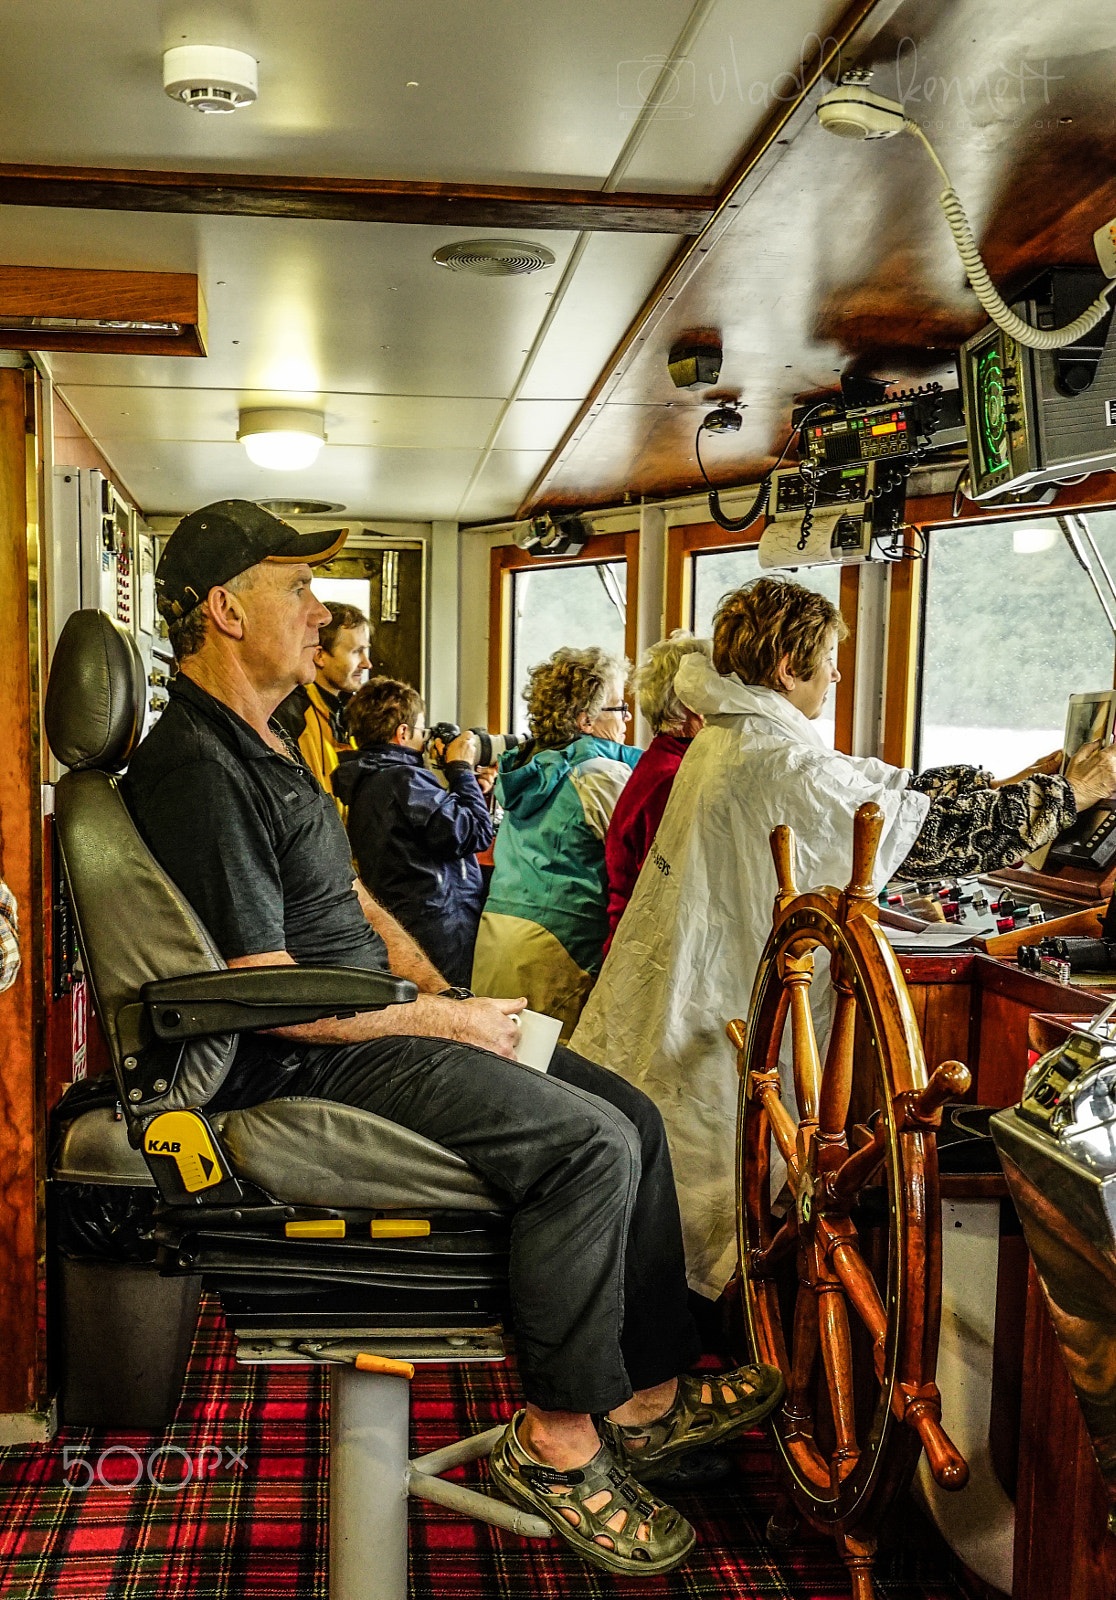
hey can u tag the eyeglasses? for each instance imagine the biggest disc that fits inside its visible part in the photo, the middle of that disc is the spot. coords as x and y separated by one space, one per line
620 710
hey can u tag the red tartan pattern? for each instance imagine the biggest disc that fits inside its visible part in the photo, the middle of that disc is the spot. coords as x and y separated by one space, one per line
259 1532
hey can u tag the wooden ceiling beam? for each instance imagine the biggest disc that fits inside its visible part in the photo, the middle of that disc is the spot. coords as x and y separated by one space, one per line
233 194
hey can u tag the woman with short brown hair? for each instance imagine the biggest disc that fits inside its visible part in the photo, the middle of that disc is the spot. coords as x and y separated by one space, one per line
685 954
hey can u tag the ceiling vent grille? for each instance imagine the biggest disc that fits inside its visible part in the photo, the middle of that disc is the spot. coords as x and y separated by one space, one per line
495 258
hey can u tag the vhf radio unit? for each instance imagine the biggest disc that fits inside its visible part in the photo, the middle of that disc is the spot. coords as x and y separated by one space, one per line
904 427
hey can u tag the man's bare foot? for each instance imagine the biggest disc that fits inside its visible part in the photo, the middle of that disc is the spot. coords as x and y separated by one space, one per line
568 1440
648 1405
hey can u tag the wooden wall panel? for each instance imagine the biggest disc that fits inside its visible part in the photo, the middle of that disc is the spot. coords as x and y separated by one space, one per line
1063 1550
21 1356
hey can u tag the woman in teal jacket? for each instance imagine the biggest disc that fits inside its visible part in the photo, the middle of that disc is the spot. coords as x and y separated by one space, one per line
546 919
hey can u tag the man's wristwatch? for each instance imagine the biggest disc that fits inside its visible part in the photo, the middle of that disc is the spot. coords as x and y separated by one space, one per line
456 992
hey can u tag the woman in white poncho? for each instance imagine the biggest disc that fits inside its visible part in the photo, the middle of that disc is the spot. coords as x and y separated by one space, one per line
686 952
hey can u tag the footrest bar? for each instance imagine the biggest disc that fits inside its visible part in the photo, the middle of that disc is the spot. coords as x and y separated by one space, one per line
462 1450
471 1503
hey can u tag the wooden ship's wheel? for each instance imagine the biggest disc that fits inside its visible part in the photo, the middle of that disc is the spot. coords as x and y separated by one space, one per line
841 1263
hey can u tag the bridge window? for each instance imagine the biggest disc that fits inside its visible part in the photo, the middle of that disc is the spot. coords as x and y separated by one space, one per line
576 606
539 606
1011 627
718 572
702 568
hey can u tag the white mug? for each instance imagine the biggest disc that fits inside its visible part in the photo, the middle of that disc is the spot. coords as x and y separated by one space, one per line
538 1034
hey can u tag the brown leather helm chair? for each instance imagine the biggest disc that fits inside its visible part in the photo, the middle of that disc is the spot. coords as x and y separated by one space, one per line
326 1230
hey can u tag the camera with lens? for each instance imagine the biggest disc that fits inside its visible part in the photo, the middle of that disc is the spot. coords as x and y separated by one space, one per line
491 745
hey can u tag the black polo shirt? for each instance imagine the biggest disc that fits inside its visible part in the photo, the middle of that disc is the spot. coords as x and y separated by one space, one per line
250 837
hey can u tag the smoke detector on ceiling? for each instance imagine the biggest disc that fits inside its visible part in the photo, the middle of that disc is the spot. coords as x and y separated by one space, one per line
209 78
495 258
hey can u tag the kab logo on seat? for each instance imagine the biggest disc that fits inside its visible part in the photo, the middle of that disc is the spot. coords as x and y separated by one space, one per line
185 1138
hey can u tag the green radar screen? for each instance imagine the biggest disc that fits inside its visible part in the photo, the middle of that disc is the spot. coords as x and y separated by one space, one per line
991 410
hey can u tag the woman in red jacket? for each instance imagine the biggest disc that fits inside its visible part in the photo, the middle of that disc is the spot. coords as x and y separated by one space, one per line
640 807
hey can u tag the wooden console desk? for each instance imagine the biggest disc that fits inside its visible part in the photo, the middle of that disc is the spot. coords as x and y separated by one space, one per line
992 1016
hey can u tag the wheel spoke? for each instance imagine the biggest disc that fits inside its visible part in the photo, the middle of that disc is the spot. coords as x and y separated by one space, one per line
764 1261
837 1079
775 1038
798 1408
851 1176
807 1065
836 1345
784 1129
860 1286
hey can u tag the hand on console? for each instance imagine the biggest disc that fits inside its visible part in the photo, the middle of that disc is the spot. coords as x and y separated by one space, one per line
1091 774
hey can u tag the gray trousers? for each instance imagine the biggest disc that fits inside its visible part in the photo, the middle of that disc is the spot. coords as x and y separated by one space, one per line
597 1270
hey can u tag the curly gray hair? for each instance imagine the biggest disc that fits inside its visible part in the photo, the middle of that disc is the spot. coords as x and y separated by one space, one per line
654 679
559 690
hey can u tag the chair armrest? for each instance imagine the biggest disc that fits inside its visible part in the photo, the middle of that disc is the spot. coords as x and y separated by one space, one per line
242 999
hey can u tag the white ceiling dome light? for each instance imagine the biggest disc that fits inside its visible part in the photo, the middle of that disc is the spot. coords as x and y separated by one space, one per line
285 441
210 78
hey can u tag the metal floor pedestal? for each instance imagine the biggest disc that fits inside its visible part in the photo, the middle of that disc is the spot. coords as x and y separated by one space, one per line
370 1478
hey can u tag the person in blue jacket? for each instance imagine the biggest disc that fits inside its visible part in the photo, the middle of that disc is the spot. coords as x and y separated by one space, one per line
546 918
415 840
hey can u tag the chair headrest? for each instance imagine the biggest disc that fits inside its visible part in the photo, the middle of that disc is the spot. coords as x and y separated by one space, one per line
95 694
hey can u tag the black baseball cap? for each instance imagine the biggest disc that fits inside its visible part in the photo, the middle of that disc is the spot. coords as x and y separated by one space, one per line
220 541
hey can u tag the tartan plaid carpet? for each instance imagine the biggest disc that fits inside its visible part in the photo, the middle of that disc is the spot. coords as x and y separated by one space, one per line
230 1503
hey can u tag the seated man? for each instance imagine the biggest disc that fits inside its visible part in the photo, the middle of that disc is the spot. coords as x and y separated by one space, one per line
596 1269
314 714
414 839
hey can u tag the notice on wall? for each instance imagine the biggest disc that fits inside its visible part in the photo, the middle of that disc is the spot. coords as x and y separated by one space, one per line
79 1027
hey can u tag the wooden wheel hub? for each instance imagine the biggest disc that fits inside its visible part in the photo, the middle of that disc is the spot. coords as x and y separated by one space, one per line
838 1210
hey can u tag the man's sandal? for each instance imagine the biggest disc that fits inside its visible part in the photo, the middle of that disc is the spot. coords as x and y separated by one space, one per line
560 1497
708 1406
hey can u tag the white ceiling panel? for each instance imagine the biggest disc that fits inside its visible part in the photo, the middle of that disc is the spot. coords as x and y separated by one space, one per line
174 477
304 306
536 424
196 416
616 273
504 480
747 59
508 91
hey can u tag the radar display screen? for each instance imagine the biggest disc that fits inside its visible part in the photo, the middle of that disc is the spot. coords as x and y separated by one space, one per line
991 410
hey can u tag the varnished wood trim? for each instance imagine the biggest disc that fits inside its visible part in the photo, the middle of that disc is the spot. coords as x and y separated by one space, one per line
20 1007
675 600
928 511
508 558
901 667
118 296
257 194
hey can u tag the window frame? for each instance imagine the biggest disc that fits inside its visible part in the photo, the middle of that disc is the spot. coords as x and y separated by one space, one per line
906 600
507 559
685 540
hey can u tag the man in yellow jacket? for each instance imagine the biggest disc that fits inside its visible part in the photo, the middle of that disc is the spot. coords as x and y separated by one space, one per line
314 715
